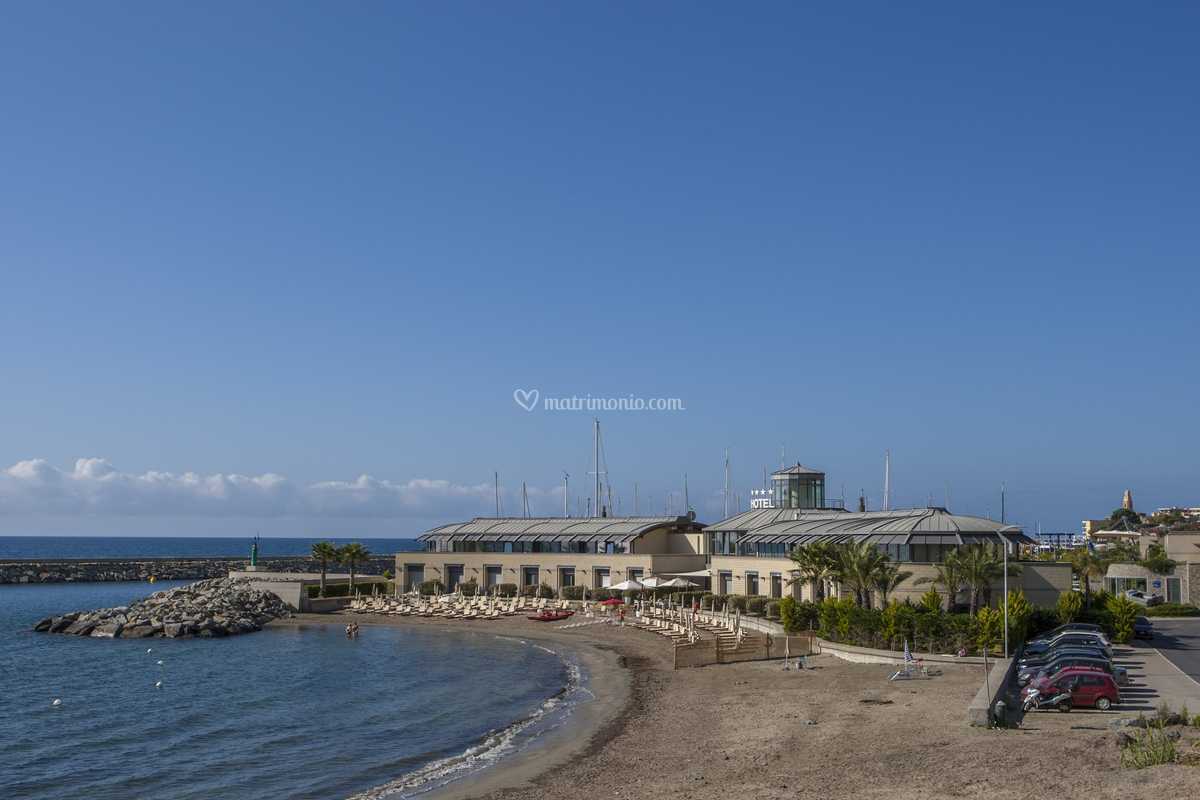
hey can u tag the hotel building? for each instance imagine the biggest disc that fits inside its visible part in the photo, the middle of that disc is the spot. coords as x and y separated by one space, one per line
746 554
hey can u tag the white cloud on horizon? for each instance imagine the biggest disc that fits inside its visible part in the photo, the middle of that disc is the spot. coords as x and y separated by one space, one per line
94 487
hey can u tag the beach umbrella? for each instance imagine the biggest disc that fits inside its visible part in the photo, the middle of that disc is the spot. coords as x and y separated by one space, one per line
628 586
677 583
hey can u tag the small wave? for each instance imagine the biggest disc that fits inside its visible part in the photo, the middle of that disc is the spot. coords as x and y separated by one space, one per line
547 649
492 748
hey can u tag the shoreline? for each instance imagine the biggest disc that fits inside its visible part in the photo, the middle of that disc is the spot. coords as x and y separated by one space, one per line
608 672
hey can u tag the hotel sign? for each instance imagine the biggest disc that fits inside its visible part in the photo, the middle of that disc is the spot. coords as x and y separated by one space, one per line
761 498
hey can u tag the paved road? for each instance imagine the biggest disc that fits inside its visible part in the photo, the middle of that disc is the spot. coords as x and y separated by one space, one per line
1179 641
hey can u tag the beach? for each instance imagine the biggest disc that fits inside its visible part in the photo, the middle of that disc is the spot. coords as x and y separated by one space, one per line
837 730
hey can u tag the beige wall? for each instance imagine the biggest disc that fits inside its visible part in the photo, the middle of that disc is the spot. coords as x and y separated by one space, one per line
1042 581
1182 545
436 565
663 541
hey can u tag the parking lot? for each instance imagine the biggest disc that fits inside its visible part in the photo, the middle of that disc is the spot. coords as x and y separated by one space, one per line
1165 669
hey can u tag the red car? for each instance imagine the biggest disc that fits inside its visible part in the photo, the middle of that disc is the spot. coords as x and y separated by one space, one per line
1089 687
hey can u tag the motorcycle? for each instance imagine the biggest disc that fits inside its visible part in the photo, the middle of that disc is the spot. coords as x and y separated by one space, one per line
1034 701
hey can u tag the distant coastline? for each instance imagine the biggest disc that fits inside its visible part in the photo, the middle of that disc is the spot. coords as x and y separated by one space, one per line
53 548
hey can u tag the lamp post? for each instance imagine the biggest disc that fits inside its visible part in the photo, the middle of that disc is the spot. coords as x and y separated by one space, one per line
1000 533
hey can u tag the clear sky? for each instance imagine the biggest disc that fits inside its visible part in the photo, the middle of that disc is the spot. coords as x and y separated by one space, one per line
281 266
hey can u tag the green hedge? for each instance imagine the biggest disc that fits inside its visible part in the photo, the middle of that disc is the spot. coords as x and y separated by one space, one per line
537 591
431 587
1172 610
756 606
773 609
343 589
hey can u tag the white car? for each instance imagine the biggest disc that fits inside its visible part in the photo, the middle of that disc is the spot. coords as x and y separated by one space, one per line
1143 598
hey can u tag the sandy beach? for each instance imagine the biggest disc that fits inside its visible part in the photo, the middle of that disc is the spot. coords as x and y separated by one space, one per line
761 732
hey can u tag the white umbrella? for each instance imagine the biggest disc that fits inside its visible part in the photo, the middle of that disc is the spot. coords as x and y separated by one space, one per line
652 582
677 583
627 586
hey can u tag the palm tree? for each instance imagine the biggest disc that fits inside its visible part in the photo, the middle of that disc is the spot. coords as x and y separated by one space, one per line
858 565
351 554
1086 566
948 575
813 564
324 552
887 577
982 565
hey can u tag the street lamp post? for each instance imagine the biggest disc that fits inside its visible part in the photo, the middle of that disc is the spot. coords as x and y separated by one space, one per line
1000 533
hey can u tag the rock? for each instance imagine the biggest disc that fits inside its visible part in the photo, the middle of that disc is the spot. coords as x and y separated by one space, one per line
80 627
108 630
137 632
212 609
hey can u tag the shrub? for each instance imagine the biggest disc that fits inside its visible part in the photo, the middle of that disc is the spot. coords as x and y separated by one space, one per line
931 601
1196 721
572 593
773 609
898 624
537 591
991 628
1070 605
1019 613
738 602
1148 748
1172 610
387 573
507 590
469 588
756 606
1041 620
1124 611
430 587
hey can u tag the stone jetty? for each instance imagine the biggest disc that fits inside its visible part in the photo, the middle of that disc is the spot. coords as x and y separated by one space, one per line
212 608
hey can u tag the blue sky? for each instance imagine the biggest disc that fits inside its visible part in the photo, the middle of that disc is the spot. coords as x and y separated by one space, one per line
325 245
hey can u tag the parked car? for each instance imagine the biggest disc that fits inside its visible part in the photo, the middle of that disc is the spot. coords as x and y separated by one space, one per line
1072 626
1143 598
1052 668
1039 660
1085 638
1143 629
1089 688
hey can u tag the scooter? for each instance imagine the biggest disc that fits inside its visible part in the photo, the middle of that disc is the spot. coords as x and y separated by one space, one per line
1034 701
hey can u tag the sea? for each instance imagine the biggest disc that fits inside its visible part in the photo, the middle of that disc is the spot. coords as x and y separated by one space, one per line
28 547
288 712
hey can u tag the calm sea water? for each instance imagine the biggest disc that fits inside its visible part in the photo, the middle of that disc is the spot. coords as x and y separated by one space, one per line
169 546
285 713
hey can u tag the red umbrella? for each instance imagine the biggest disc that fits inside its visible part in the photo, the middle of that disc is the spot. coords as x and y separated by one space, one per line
612 601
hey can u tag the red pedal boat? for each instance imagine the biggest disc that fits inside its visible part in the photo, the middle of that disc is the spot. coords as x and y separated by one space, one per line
551 616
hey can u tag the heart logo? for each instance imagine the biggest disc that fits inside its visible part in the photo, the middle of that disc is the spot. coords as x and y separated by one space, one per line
526 398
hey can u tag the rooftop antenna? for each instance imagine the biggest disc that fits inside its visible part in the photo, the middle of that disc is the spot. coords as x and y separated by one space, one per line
566 492
887 480
726 483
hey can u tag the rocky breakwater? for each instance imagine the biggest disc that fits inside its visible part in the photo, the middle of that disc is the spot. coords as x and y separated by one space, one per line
220 607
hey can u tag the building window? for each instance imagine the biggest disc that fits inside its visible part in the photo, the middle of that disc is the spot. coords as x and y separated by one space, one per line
454 576
776 585
725 580
634 574
603 578
751 583
529 576
492 576
566 576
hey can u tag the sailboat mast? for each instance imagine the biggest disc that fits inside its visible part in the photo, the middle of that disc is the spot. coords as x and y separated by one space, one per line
596 460
887 480
727 483
496 477
566 492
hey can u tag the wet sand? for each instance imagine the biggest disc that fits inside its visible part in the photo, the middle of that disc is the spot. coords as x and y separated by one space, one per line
752 730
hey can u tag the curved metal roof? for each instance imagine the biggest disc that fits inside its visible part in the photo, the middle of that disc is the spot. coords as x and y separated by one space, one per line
937 522
551 527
